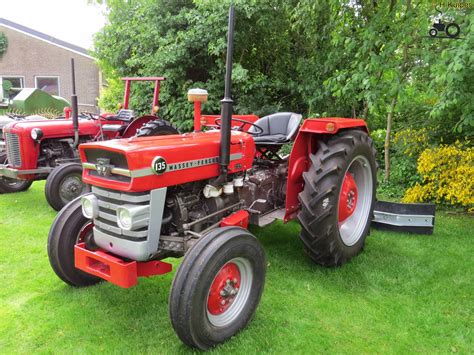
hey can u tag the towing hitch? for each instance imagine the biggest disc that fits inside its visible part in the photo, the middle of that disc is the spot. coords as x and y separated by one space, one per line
115 270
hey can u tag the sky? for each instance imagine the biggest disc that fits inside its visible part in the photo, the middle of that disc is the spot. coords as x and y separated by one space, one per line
73 21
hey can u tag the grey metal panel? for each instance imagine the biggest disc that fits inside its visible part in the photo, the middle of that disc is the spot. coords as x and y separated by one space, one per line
107 216
121 196
157 206
416 218
108 205
408 220
135 250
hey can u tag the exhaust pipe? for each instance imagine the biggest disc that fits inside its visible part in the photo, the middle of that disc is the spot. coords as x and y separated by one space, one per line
75 115
226 102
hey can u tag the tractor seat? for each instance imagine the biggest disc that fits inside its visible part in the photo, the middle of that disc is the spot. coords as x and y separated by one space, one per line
123 115
278 128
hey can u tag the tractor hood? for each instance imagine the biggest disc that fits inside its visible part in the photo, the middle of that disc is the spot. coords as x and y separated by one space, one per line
55 128
147 163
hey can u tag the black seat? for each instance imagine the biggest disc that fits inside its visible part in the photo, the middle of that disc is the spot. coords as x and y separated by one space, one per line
278 128
123 115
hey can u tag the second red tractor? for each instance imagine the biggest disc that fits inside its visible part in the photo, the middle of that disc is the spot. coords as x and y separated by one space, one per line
47 149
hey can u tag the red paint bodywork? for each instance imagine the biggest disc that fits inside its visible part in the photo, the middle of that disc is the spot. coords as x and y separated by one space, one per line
305 144
140 153
115 270
239 219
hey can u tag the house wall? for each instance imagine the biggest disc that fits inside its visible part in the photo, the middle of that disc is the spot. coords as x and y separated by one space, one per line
29 57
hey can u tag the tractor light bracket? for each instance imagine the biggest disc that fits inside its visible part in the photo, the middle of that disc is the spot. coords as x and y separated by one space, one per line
115 270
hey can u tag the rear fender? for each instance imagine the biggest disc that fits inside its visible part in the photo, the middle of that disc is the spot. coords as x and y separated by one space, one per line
133 127
305 144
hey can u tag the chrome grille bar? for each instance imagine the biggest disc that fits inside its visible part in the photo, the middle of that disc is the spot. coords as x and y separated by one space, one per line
12 143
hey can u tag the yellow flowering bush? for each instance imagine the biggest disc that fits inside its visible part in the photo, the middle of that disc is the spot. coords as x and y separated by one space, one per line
411 141
447 176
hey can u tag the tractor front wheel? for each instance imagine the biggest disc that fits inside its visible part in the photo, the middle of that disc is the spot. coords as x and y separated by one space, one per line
338 198
69 228
217 287
64 184
8 185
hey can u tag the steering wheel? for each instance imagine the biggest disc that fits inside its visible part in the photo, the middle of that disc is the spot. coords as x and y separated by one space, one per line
240 128
92 115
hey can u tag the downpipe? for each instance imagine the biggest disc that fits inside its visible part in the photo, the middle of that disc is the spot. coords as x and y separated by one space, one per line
226 108
75 114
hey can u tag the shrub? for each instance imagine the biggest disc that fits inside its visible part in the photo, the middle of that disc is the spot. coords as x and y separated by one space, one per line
406 148
447 176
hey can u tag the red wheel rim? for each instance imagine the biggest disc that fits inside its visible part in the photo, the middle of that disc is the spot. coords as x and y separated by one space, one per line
348 197
224 289
85 231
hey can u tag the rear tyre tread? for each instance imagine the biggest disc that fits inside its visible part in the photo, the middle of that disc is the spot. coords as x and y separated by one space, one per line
158 127
318 217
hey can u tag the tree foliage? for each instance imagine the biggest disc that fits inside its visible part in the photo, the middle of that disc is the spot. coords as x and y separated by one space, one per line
372 59
3 43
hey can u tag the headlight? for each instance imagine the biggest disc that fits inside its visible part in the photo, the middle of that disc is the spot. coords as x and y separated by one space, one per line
90 206
132 217
124 218
36 134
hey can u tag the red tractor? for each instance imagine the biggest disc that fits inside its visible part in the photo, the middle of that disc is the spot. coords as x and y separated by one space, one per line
47 149
193 196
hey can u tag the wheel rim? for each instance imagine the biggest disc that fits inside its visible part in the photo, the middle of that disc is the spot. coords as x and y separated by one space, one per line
355 200
13 183
85 233
71 187
229 292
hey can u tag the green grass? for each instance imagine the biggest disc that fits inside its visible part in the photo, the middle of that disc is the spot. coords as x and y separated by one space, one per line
403 294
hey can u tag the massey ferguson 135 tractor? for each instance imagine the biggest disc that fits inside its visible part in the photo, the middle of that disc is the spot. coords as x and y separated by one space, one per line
194 194
47 149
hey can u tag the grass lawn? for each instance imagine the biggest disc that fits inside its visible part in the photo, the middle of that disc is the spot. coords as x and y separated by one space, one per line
403 294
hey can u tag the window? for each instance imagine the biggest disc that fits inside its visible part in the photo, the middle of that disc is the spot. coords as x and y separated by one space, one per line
12 85
50 84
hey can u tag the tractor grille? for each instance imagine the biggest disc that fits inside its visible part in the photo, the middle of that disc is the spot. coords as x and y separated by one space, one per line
109 201
116 160
12 143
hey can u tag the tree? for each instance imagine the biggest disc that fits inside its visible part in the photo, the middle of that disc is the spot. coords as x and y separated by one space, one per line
3 43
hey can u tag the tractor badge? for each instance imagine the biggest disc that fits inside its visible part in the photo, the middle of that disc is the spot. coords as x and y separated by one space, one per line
159 165
103 167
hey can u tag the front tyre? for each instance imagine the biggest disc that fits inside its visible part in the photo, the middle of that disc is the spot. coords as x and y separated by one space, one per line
217 287
64 184
8 185
338 198
69 228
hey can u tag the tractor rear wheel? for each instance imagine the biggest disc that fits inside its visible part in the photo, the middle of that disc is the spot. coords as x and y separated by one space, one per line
69 228
8 185
64 184
157 127
217 287
338 198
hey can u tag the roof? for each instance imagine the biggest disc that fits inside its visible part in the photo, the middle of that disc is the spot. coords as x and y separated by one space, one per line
44 37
